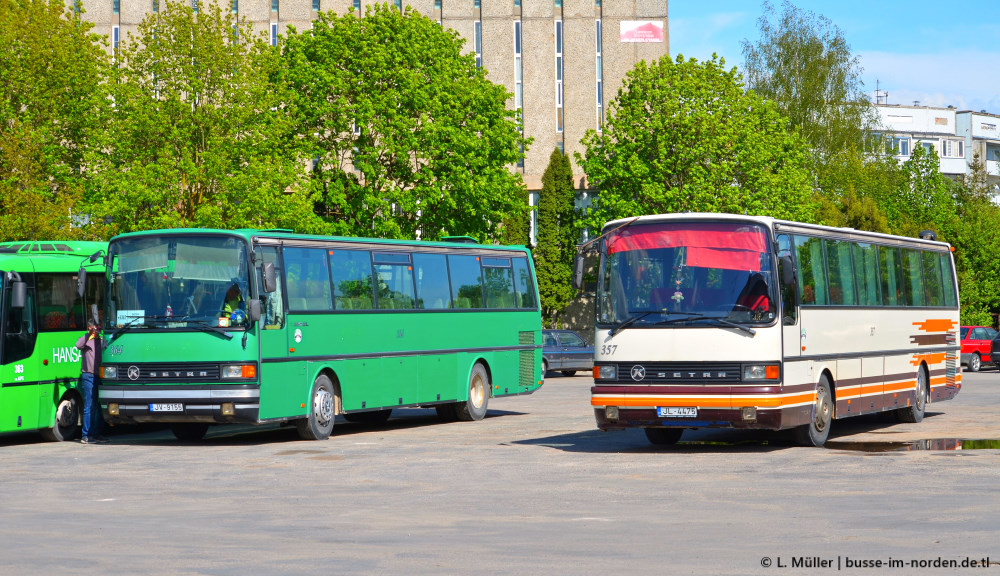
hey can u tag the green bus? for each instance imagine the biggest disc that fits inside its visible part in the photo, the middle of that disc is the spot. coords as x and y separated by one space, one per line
255 326
44 311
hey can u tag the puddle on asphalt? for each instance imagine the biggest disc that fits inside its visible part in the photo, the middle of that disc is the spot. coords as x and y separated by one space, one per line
932 444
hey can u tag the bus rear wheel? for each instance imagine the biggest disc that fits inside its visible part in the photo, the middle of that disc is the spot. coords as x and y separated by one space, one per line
817 431
189 431
663 436
319 423
915 412
479 396
67 420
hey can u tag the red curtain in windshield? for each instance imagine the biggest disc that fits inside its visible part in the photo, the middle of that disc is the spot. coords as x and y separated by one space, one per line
709 245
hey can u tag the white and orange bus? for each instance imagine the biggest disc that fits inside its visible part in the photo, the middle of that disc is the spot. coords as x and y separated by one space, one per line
720 320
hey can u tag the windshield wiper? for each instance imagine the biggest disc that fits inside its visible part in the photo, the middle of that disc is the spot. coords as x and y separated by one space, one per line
206 327
130 323
716 319
633 319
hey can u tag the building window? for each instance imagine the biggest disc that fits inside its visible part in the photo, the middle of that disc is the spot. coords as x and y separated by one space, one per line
927 145
115 38
899 146
116 7
315 5
236 33
597 3
274 34
478 33
559 76
437 4
398 4
236 6
274 5
194 6
477 4
517 3
600 81
357 6
156 5
558 3
953 148
518 86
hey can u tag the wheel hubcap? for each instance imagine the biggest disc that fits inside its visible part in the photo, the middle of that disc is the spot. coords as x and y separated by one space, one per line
476 391
66 415
323 406
822 409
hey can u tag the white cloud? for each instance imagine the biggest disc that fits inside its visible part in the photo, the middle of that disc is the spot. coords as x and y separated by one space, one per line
967 80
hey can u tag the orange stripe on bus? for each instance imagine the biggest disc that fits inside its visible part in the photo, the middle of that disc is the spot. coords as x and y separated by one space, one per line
721 402
928 358
935 325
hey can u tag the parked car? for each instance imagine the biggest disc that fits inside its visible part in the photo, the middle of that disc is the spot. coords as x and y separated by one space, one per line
565 351
977 344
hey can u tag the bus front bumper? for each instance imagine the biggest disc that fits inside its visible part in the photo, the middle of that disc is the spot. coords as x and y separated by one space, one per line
195 403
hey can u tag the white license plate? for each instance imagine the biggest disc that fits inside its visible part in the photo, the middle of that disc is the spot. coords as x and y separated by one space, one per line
676 412
166 407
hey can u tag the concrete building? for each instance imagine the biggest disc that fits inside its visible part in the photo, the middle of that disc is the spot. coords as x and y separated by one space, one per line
956 136
563 60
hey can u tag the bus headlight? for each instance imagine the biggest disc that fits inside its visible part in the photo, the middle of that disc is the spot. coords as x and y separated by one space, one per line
109 372
239 371
761 372
605 372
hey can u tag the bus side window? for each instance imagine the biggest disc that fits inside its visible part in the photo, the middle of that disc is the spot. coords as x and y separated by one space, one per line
272 306
19 329
789 309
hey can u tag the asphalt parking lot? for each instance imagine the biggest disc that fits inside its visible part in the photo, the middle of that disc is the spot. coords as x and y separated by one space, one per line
532 489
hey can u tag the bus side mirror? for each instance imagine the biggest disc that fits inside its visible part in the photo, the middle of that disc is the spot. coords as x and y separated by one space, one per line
81 282
787 271
578 271
267 273
253 310
18 294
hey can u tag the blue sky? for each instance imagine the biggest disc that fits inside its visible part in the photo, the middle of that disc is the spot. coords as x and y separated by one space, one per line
940 53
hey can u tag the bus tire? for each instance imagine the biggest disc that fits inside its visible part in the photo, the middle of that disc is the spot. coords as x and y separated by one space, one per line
189 431
322 410
446 412
67 421
663 436
817 431
474 408
373 417
915 412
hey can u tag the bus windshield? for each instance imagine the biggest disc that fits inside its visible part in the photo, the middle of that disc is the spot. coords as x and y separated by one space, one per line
166 282
682 273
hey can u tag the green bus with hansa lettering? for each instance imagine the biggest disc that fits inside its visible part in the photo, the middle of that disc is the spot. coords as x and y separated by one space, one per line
207 327
44 311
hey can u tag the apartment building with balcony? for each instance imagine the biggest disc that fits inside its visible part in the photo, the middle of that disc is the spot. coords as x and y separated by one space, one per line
956 136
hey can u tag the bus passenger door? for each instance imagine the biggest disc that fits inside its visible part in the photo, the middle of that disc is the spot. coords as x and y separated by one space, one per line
21 396
793 332
275 380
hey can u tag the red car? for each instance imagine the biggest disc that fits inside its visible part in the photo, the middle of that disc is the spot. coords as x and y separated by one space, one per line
976 342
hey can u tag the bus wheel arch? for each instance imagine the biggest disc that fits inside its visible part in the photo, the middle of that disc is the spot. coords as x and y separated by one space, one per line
69 412
322 409
817 430
915 412
479 392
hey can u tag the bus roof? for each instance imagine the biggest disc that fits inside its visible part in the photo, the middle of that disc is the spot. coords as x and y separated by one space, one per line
777 225
249 233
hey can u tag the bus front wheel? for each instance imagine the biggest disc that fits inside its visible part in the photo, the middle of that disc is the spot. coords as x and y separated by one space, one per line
817 431
479 396
189 431
68 414
663 436
915 412
319 423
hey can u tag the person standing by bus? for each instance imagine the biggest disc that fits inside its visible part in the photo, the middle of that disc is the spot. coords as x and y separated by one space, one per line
90 345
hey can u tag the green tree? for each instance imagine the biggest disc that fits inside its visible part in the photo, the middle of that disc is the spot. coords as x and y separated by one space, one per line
51 102
804 64
407 134
517 227
556 248
685 136
199 132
